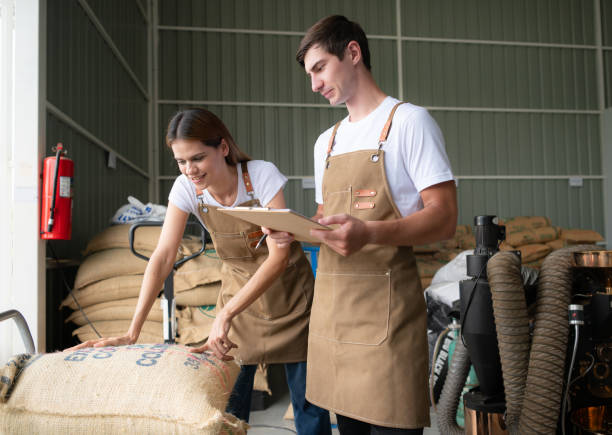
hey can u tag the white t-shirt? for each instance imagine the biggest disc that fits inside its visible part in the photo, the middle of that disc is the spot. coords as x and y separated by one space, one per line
265 177
415 157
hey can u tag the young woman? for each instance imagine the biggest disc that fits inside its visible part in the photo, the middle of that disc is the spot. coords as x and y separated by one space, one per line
264 305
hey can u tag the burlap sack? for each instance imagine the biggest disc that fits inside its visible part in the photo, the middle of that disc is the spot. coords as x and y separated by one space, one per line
9 373
523 223
128 286
115 328
140 389
556 244
194 323
107 264
538 235
446 255
429 268
203 269
110 289
435 247
576 236
426 281
466 242
462 230
505 246
260 382
121 309
206 294
533 252
117 236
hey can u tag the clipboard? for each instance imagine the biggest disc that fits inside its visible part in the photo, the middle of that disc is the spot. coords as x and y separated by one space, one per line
279 219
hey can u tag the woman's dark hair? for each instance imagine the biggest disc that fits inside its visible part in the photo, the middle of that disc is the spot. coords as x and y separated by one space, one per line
203 125
334 33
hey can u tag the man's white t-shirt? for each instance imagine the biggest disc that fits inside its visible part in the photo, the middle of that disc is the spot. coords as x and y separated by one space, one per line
415 157
267 180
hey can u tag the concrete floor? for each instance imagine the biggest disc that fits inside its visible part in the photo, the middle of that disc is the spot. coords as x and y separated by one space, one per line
270 421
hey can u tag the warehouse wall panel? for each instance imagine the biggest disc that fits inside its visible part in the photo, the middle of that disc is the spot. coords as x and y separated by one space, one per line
546 21
485 143
126 25
468 75
568 207
248 68
87 82
286 15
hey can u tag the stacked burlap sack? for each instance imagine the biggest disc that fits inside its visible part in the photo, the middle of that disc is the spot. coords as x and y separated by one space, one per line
534 236
108 282
433 256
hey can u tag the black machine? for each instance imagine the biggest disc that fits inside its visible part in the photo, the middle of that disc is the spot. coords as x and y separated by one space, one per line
478 326
586 405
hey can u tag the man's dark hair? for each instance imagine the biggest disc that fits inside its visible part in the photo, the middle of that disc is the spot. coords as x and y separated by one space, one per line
334 33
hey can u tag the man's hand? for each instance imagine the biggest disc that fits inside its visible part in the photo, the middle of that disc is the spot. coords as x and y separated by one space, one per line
351 236
282 239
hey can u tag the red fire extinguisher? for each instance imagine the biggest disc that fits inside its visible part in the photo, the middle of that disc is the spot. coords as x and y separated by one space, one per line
56 212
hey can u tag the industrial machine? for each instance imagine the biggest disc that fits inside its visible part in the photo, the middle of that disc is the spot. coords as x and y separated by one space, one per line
589 406
544 361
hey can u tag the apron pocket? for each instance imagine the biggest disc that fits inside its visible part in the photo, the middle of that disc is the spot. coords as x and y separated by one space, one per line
351 308
231 245
286 294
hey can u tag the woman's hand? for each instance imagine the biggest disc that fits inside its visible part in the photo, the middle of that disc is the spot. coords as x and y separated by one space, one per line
282 239
218 342
104 342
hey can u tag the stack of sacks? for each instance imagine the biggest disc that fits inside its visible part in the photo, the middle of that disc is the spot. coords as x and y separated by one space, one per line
433 256
535 237
108 282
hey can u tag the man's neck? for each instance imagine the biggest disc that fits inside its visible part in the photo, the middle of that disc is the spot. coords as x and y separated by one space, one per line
366 98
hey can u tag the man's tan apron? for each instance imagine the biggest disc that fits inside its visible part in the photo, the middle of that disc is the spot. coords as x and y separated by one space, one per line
367 349
274 328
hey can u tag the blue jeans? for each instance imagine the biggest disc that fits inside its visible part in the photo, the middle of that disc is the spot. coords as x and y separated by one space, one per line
309 419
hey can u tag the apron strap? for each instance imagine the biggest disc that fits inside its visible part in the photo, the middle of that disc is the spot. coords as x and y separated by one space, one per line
247 179
385 131
381 140
330 145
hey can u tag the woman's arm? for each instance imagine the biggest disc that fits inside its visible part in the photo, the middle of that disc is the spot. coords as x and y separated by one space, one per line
272 267
159 266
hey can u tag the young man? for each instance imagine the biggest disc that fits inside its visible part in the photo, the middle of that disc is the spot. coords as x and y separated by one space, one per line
382 175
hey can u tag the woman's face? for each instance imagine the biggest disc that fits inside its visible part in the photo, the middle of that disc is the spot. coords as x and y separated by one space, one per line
201 164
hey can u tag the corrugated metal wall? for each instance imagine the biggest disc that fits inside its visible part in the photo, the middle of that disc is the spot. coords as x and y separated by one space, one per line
97 75
513 85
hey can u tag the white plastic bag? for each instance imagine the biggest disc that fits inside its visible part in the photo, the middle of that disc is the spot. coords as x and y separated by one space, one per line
455 270
445 283
136 211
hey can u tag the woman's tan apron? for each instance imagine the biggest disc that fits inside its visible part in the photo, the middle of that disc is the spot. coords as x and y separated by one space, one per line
274 328
367 349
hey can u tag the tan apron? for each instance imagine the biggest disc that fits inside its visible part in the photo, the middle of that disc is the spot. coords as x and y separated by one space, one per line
274 328
367 349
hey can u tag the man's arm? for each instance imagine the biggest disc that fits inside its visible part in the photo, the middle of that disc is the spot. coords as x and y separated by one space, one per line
436 221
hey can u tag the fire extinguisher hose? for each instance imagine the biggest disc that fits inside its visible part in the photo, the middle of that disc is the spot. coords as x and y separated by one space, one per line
52 211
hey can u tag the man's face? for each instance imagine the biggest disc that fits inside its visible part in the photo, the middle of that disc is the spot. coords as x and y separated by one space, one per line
330 76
